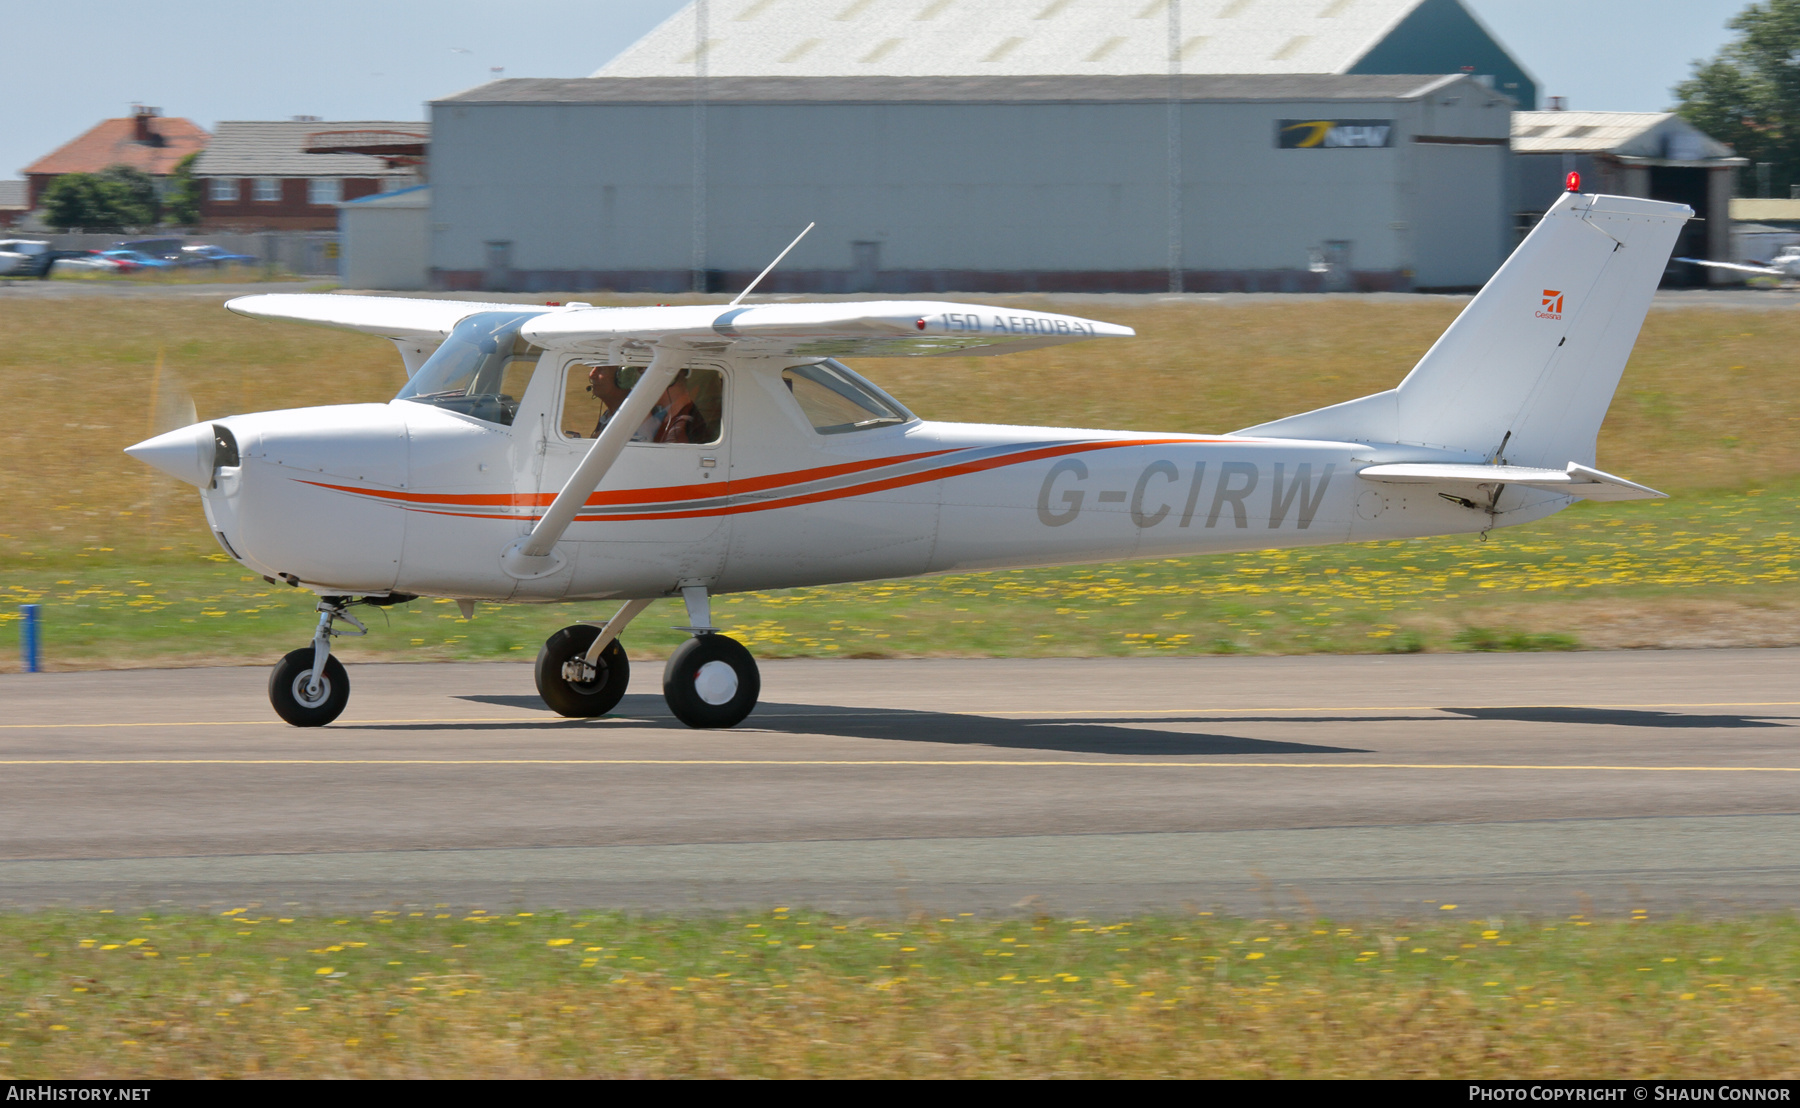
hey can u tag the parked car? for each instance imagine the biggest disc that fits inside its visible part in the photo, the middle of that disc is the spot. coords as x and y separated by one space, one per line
137 259
169 250
25 258
87 261
214 256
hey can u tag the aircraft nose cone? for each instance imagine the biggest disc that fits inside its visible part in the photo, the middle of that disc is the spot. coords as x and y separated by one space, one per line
186 452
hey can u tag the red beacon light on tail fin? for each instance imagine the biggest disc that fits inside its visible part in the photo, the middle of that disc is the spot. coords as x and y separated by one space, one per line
1573 182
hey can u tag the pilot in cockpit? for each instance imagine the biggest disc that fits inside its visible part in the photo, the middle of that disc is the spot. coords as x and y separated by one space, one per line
603 382
676 416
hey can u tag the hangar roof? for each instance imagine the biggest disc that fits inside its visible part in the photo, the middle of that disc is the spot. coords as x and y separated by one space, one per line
680 90
815 38
1660 135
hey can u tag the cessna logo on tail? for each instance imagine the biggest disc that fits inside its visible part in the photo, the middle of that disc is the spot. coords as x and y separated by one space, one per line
1552 306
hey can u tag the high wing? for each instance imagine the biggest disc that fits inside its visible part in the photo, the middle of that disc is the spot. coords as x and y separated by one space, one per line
887 328
391 317
1577 480
882 329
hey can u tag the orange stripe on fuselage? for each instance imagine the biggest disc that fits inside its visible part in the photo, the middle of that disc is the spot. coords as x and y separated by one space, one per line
884 484
636 496
710 491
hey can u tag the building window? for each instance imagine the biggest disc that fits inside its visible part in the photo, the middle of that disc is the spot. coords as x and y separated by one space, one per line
324 190
222 188
268 188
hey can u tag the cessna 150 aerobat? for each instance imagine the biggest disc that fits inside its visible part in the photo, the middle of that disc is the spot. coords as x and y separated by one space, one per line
566 452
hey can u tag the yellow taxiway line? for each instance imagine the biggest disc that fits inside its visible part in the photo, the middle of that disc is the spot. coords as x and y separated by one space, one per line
1198 762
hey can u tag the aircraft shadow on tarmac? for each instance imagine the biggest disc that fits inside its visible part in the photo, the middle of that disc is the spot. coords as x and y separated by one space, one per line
1069 736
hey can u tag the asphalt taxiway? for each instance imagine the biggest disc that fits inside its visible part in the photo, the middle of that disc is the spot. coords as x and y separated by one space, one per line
1555 783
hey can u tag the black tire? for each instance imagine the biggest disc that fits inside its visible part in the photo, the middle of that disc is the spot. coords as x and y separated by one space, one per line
709 697
287 689
581 700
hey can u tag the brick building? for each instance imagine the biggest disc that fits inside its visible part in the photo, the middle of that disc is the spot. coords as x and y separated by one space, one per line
291 175
146 140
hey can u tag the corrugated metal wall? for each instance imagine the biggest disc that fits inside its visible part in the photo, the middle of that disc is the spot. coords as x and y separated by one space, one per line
943 196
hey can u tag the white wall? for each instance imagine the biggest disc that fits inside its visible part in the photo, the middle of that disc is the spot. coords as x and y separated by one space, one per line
385 247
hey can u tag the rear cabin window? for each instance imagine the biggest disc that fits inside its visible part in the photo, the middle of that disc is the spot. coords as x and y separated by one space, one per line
691 410
481 370
837 401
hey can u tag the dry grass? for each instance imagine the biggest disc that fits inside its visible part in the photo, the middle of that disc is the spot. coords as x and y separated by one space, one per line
1707 402
795 994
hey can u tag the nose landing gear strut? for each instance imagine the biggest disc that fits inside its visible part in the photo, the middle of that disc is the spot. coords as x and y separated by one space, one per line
309 687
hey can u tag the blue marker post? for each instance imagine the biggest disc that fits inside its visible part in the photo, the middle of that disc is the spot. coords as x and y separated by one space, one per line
30 642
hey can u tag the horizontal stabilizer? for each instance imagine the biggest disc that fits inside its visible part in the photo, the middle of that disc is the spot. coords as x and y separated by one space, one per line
1577 480
393 317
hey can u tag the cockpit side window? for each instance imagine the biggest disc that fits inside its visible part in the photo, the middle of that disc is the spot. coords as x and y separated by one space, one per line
691 410
836 400
481 370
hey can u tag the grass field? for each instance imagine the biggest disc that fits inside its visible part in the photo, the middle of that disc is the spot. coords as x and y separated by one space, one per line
1707 411
792 993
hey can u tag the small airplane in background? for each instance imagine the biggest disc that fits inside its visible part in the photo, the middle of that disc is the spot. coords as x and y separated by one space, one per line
565 452
1785 264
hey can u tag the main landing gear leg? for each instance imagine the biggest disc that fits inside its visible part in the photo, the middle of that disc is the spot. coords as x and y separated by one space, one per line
582 670
710 680
309 687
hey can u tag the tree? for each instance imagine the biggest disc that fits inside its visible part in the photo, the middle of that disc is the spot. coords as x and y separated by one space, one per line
1749 96
181 203
133 194
114 199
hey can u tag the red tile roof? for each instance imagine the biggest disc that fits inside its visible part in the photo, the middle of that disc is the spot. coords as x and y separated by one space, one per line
113 142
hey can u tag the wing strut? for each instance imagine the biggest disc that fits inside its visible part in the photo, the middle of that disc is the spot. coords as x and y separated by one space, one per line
535 555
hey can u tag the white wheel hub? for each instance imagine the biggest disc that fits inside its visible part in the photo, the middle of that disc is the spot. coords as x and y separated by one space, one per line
716 683
307 700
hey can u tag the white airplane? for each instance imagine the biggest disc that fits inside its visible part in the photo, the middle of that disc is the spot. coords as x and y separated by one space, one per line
558 453
1785 264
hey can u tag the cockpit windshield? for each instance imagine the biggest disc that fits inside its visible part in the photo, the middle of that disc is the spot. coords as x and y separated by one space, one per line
836 400
481 370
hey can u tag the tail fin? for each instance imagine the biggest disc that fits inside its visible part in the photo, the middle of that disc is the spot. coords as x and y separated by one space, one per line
1529 367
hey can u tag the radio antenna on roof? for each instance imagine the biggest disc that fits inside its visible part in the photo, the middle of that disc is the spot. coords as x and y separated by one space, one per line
772 265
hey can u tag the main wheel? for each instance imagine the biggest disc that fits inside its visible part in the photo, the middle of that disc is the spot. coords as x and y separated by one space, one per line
596 696
287 689
711 681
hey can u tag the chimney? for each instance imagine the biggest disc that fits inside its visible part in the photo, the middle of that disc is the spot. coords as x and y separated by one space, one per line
1559 103
140 125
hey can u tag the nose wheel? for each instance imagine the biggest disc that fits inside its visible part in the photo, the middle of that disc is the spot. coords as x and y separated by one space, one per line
302 701
309 687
